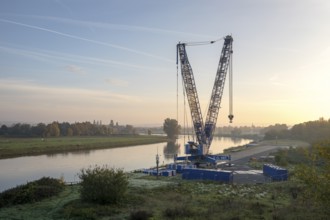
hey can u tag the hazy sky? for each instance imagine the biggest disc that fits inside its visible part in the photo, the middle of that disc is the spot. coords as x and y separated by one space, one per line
79 60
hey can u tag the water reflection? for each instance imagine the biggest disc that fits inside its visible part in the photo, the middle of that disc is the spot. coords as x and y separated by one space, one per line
234 140
15 171
68 153
170 149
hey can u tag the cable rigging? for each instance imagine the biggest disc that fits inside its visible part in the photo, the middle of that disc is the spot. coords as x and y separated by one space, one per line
204 132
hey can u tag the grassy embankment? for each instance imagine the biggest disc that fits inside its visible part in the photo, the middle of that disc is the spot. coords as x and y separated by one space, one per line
173 198
15 147
282 142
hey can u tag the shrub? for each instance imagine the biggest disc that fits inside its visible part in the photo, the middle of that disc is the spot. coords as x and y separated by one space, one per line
178 212
31 192
103 185
140 215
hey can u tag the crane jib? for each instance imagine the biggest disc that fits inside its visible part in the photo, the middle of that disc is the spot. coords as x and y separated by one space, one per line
204 132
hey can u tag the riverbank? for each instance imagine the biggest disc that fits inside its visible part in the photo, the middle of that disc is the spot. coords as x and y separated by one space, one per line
162 198
267 144
17 147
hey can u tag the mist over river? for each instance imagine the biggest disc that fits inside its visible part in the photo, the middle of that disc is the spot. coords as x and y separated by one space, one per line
16 171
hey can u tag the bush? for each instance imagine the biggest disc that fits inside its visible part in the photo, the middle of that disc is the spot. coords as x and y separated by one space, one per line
31 192
103 185
140 215
178 212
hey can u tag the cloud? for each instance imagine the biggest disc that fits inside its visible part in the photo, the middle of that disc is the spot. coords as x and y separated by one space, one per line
29 54
20 90
117 82
103 25
75 69
51 56
28 101
88 40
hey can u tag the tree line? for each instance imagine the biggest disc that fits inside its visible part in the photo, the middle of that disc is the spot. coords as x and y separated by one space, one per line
310 131
57 129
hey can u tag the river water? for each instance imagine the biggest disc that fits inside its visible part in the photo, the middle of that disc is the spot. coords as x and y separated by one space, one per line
16 171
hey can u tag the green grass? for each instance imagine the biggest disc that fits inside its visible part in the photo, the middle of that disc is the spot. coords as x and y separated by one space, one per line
46 209
174 198
285 142
15 147
234 149
279 142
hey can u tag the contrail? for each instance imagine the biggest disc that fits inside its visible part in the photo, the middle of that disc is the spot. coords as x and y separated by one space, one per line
87 40
50 56
118 26
122 27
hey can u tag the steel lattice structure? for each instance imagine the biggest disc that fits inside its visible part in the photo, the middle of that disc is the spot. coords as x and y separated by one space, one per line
204 132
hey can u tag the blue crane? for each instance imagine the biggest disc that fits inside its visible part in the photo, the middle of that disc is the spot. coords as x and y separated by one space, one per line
204 132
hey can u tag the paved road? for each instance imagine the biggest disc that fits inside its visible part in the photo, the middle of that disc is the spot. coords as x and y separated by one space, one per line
254 151
244 174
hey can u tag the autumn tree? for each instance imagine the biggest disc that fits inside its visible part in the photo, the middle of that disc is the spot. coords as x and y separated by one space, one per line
315 175
312 131
53 130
